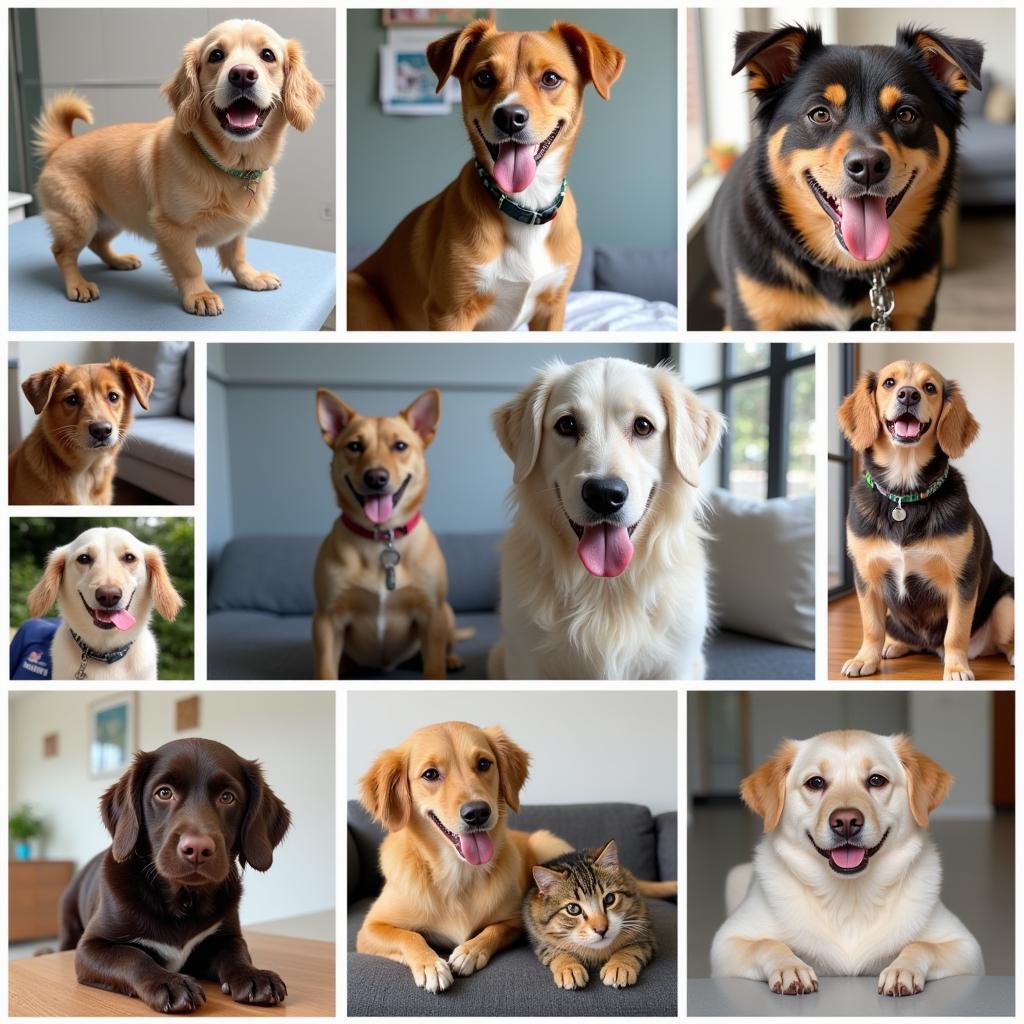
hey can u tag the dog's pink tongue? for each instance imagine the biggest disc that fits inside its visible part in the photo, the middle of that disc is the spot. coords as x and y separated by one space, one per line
605 549
476 847
515 168
378 507
121 619
847 857
907 428
242 114
865 227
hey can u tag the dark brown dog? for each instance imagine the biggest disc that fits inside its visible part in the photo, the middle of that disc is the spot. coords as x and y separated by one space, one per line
159 909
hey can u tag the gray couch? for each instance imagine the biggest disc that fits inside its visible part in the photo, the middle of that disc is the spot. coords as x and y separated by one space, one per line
987 154
515 983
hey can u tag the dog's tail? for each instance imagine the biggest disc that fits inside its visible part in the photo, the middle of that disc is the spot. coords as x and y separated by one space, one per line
53 128
657 890
545 846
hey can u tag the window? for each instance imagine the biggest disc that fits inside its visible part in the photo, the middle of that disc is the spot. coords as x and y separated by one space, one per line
841 375
696 107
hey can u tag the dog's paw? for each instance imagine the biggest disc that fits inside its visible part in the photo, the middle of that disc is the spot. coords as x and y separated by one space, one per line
433 975
570 975
123 261
896 649
175 993
454 663
82 291
860 667
901 979
260 281
793 978
465 959
619 973
203 303
957 673
249 985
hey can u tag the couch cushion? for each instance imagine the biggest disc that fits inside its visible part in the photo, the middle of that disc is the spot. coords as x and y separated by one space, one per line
647 273
666 827
737 656
187 402
165 360
166 441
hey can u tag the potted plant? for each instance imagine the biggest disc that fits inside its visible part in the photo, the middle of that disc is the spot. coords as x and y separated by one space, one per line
25 828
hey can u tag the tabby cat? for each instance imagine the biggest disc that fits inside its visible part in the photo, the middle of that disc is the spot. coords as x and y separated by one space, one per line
585 911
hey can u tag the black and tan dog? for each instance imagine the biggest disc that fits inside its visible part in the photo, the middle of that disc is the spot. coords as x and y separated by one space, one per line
922 557
850 173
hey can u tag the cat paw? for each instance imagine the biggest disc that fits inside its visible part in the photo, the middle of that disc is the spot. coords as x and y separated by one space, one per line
617 974
433 975
570 976
465 960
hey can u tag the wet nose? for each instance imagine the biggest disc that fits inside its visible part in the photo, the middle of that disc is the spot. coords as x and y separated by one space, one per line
605 495
107 597
376 479
867 166
846 822
908 396
101 429
475 813
511 119
600 927
243 75
195 849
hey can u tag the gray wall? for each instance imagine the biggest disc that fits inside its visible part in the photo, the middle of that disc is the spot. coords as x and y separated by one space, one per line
262 414
624 168
119 58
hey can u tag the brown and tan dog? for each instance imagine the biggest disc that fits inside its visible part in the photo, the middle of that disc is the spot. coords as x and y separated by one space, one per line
70 458
489 253
366 612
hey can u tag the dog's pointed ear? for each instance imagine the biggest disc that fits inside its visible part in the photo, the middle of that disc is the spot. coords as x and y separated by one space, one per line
858 415
597 60
43 595
121 806
694 430
513 765
39 387
764 790
183 91
954 63
957 428
333 415
448 55
167 601
928 783
265 823
424 414
137 381
771 57
384 791
519 424
302 93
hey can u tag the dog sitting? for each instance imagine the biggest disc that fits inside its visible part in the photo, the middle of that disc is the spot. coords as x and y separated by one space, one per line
488 253
922 558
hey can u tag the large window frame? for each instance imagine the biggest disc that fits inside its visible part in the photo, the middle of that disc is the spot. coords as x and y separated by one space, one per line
698 80
845 458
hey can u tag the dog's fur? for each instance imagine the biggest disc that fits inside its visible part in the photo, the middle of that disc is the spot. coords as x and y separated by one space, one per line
105 557
803 914
153 180
929 582
432 894
878 120
61 462
559 620
357 619
457 263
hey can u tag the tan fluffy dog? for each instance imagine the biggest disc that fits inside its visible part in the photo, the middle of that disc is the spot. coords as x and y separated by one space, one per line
453 871
236 89
70 458
379 472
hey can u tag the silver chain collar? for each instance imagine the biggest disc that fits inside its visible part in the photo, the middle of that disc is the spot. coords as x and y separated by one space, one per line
882 299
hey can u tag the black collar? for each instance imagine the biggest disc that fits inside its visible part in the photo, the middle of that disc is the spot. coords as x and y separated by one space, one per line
512 209
109 657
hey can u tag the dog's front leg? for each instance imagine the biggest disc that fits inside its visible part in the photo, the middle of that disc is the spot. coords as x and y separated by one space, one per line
328 645
959 616
434 645
176 247
462 317
429 971
476 952
227 961
232 257
872 619
919 962
767 960
549 314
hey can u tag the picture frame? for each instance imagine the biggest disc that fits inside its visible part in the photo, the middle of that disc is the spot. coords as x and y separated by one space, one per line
403 17
113 735
407 83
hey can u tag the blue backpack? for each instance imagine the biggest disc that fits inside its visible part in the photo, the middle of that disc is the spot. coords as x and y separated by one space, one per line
30 649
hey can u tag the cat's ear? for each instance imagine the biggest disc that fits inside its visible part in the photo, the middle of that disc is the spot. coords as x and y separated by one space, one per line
546 879
608 857
513 765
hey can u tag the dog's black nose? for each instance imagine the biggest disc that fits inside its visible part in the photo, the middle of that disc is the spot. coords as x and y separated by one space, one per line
376 479
107 597
241 76
475 813
605 494
846 822
511 119
867 166
101 429
908 396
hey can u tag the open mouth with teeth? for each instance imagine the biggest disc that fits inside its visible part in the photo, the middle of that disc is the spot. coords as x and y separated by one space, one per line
242 117
848 858
907 428
515 163
605 548
861 222
379 508
106 618
473 847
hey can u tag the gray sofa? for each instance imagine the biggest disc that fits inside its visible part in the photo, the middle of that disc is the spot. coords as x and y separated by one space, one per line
987 154
515 983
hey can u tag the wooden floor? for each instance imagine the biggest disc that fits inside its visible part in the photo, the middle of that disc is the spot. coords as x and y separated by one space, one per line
45 986
844 634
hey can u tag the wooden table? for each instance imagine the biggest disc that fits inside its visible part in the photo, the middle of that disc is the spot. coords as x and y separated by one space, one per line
45 986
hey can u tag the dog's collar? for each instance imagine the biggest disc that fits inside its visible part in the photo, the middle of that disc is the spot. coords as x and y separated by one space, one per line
382 535
512 209
107 657
251 175
898 513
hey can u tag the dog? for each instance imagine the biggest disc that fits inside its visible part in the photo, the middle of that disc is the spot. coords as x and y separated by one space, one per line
488 253
70 457
158 911
106 584
846 879
201 178
380 579
845 185
923 566
454 873
603 572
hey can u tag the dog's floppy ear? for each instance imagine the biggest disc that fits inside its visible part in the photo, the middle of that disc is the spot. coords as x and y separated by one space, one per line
424 414
694 430
598 61
384 791
928 783
513 765
954 63
39 387
183 91
764 791
858 415
333 415
447 56
45 592
519 424
302 93
771 57
265 823
957 428
167 601
137 381
121 806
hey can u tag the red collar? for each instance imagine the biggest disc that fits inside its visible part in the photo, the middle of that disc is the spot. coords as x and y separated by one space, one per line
382 535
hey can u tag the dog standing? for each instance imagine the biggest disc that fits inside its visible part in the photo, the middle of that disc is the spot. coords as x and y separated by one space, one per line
499 247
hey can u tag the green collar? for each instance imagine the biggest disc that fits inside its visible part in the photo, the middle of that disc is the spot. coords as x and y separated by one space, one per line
909 498
512 209
234 172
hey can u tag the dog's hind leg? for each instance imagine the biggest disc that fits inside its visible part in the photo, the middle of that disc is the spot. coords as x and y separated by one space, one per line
73 221
365 310
896 648
1002 626
100 244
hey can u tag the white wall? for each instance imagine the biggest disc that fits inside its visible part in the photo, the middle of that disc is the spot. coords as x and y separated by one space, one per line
291 733
586 746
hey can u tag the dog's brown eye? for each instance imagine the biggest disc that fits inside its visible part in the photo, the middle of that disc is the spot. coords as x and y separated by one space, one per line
128 557
906 116
113 396
566 426
227 797
815 782
550 79
889 383
164 793
400 446
71 400
820 115
483 764
642 427
216 56
431 775
930 388
355 446
573 908
485 79
268 55
877 781
84 559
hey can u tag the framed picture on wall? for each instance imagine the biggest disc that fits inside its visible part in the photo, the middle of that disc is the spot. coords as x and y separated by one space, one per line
402 16
407 83
112 734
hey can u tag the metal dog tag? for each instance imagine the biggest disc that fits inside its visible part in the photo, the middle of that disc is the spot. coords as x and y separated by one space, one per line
389 558
899 514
